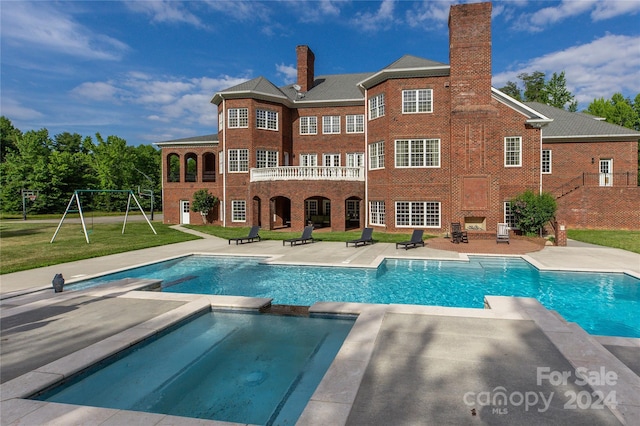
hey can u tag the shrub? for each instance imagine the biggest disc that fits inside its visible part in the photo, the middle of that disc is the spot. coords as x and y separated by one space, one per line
532 211
203 202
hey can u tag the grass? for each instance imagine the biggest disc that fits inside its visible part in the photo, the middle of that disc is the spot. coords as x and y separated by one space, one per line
25 245
625 240
226 233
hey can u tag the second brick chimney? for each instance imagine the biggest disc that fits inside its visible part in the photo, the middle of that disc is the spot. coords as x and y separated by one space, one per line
470 55
306 59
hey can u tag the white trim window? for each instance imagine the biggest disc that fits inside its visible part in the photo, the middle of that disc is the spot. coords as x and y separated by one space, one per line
424 214
376 155
310 208
330 124
238 211
513 151
238 118
418 153
355 159
376 106
417 101
376 213
308 125
238 160
308 160
331 160
220 121
545 162
266 158
509 218
355 123
266 119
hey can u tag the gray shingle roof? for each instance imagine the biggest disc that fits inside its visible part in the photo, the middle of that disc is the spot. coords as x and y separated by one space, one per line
193 140
410 61
336 87
571 125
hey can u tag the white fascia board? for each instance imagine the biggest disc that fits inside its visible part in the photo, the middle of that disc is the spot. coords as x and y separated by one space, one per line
497 94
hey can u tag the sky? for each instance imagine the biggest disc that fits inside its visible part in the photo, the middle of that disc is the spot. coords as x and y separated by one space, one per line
146 71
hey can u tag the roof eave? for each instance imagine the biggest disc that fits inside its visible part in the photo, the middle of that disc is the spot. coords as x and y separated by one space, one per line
244 94
535 118
592 138
380 76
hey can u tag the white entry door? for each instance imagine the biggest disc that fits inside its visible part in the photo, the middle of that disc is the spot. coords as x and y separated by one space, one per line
606 172
184 212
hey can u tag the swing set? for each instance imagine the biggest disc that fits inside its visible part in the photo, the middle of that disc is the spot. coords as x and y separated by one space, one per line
76 197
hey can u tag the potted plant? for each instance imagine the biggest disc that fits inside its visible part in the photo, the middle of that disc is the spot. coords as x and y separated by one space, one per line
203 202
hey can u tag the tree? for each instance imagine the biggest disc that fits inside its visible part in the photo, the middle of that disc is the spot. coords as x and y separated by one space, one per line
536 89
512 90
203 202
531 212
557 93
8 135
26 167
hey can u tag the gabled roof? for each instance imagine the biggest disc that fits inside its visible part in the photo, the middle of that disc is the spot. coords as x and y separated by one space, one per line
534 117
407 66
259 88
570 126
334 88
191 141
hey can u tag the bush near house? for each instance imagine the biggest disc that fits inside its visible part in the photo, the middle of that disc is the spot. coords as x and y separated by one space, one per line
531 212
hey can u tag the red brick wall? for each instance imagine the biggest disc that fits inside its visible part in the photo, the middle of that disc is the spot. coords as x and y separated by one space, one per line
570 159
601 208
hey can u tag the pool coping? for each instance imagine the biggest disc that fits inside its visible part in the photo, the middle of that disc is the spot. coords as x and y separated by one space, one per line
377 261
333 398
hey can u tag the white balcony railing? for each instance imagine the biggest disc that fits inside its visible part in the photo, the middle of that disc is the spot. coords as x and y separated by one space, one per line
307 173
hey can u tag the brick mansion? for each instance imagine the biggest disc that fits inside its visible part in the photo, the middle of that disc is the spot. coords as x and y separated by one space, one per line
417 144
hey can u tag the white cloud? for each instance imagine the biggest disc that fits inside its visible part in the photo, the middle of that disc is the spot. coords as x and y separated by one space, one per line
430 14
382 19
598 10
611 9
13 109
165 12
290 72
39 26
96 91
240 10
601 68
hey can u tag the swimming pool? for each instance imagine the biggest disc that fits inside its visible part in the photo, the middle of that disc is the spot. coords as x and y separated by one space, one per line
601 303
241 368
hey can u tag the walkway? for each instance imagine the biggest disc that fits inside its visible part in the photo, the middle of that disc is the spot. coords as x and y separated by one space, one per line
401 364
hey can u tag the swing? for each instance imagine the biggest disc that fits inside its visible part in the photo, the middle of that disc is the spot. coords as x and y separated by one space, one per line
76 197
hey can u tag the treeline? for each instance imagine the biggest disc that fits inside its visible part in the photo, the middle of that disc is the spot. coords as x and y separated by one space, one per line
56 166
535 87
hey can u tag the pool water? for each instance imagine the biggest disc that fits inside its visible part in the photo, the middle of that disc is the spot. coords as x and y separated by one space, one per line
601 303
243 368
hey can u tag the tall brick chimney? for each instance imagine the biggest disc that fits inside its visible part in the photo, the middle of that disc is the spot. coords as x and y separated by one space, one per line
470 55
306 59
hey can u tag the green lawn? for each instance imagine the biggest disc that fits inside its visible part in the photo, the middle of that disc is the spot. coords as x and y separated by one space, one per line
626 240
25 245
226 233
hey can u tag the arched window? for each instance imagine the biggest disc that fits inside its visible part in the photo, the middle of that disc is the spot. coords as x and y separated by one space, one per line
173 168
191 167
209 167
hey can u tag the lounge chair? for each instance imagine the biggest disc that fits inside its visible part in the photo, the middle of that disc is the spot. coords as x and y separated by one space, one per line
458 235
415 241
365 238
303 239
502 236
253 236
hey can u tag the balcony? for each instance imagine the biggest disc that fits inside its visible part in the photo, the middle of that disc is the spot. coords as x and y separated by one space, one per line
353 174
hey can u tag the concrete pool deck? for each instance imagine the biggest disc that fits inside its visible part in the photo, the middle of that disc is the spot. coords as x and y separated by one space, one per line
401 364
